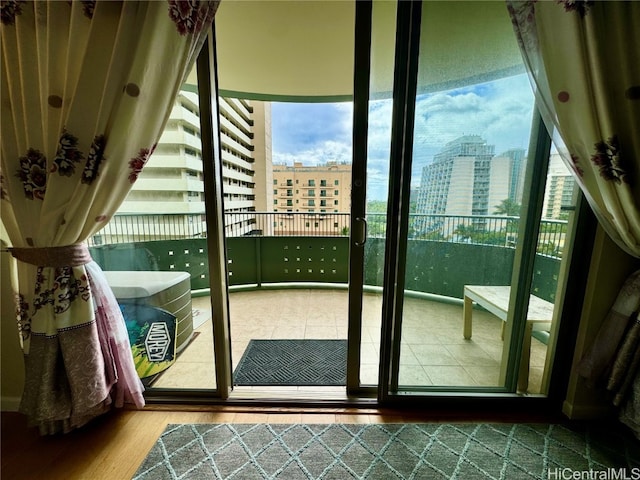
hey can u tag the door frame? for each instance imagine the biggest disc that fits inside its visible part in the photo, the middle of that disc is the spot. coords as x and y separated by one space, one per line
576 267
408 31
207 70
358 229
408 19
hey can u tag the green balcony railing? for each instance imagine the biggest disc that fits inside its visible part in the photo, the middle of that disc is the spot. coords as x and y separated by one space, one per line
466 229
439 263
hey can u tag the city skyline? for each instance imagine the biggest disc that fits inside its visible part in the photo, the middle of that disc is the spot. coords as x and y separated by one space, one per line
258 135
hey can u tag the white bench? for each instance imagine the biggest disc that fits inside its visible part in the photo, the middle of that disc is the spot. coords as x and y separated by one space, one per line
496 300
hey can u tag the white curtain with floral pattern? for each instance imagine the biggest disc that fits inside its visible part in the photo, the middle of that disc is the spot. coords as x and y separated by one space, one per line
87 87
583 58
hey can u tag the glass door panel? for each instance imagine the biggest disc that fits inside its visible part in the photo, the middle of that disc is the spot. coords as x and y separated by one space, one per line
154 253
286 89
553 252
379 105
472 125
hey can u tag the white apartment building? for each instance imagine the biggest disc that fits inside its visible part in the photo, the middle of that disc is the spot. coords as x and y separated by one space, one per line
245 132
167 200
467 178
559 190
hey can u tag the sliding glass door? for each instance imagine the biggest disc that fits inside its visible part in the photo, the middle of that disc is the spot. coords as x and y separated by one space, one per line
472 248
439 208
471 122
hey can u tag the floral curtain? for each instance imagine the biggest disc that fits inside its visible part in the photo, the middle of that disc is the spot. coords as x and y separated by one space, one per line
582 57
87 87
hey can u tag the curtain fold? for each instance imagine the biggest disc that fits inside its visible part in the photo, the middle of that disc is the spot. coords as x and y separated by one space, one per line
87 88
582 59
583 62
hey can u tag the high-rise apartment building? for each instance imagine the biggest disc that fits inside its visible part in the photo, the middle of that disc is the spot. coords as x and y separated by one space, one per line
245 133
168 195
458 180
313 190
517 166
467 178
559 190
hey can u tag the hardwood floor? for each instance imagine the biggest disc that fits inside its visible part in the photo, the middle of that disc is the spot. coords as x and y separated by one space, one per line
113 446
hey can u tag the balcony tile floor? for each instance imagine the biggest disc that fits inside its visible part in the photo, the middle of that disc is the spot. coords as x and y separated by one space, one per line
433 351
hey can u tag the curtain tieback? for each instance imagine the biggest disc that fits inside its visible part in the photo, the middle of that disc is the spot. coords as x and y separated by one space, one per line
66 256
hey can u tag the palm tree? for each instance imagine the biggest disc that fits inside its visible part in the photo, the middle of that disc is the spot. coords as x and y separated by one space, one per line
465 231
507 207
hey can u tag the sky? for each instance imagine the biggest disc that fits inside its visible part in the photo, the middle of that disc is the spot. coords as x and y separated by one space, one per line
499 111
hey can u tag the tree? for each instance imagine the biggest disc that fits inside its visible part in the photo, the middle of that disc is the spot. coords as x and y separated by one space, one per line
507 207
376 206
433 235
465 231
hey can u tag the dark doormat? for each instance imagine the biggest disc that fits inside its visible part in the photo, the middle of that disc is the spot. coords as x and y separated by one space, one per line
293 362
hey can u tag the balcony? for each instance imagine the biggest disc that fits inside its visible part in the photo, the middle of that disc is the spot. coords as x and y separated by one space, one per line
322 314
235 130
179 137
234 159
236 145
284 250
190 118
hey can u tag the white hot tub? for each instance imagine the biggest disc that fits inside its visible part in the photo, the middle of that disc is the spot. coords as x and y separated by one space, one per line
170 291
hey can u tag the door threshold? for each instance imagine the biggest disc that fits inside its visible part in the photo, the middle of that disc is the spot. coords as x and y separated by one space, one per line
288 393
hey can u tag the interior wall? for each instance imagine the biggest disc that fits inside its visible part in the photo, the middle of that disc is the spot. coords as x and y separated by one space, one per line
11 362
610 267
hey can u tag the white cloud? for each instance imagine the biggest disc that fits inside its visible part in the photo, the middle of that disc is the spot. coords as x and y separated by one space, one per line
320 153
500 112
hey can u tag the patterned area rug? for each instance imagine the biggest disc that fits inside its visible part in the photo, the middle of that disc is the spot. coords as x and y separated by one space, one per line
293 362
385 451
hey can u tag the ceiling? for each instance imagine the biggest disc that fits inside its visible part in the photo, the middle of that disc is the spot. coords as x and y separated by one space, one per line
303 50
